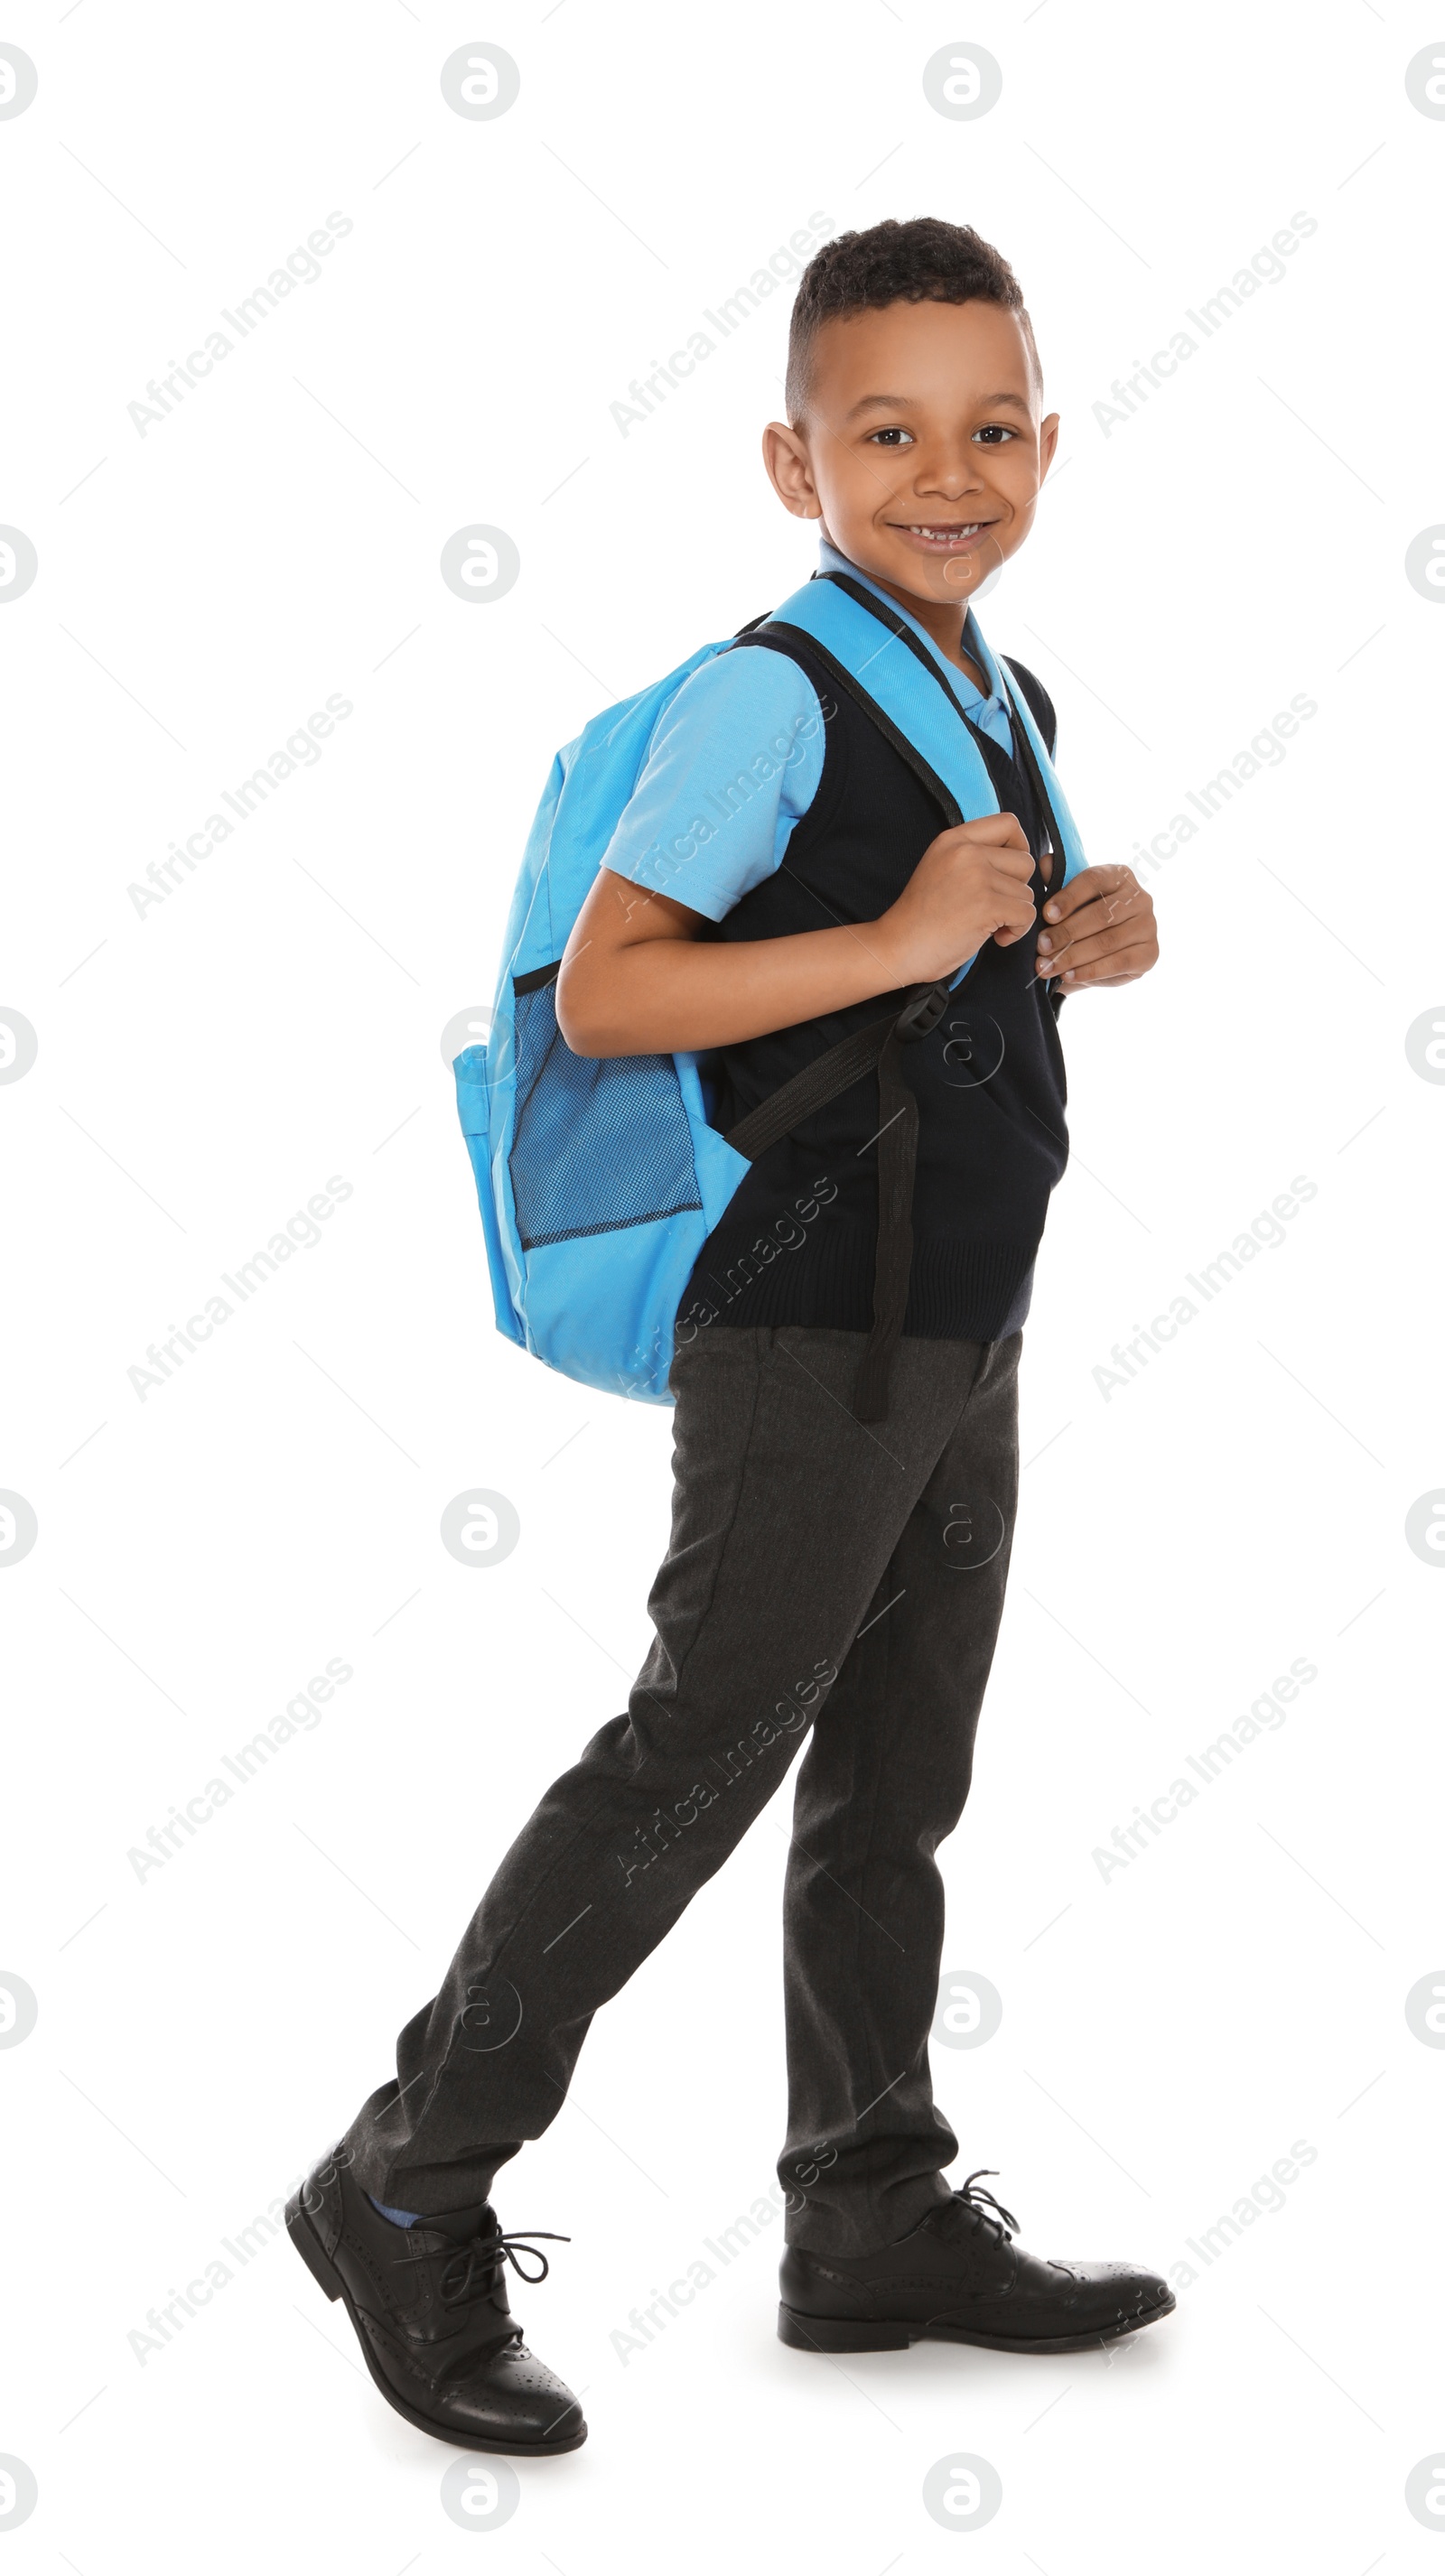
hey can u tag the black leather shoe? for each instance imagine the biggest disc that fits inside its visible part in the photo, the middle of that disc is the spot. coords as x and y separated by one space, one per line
960 2278
431 2316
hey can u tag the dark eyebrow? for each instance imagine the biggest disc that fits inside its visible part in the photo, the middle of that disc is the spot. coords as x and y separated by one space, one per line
880 402
904 402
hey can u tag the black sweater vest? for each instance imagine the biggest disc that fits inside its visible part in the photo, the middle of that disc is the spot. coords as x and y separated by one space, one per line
797 1243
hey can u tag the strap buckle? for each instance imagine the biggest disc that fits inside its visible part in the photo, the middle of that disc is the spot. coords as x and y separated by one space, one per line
923 1013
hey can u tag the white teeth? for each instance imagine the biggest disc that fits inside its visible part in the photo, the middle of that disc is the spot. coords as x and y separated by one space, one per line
943 533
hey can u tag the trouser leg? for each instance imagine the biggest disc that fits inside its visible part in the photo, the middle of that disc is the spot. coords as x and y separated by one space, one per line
786 1511
883 1782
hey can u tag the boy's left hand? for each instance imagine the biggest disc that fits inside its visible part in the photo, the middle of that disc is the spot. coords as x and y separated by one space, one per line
1098 929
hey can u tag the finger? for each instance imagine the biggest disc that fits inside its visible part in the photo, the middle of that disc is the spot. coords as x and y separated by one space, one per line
1124 913
1125 903
1094 941
997 831
1102 880
1092 885
1124 966
1008 883
1096 959
1011 930
1006 866
1097 938
1014 919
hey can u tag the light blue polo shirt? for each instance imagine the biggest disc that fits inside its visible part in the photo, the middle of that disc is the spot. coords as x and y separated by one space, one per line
733 765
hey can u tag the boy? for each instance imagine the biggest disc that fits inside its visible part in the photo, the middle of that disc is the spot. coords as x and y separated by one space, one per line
845 1428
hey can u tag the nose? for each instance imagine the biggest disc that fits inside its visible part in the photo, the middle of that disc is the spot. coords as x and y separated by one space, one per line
948 473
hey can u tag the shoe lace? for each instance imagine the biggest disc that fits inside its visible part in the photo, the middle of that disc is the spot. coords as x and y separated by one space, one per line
474 2267
984 2209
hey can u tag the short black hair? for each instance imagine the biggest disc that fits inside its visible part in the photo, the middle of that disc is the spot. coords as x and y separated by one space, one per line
925 261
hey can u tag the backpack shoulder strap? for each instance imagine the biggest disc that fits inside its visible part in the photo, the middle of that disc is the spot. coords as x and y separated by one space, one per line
781 637
1040 704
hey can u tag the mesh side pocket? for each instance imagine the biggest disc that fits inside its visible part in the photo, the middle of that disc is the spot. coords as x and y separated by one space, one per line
598 1142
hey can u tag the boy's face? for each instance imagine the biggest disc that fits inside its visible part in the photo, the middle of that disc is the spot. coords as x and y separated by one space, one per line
923 449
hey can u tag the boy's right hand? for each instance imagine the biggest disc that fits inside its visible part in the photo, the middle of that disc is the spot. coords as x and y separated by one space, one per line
971 884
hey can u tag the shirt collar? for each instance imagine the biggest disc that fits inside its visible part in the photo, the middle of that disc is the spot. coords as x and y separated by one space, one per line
831 560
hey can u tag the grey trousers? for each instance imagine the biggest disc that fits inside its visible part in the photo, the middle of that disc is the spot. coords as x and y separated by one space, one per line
823 1574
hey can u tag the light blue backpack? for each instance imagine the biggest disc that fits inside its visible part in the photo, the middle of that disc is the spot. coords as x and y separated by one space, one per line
600 1179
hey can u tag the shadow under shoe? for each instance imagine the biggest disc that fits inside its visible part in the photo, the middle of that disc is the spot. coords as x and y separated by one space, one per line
432 2318
960 2278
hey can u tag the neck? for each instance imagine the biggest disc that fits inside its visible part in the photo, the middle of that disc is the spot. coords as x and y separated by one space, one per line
942 622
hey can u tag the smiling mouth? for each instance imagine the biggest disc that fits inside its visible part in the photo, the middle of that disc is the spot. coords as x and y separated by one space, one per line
939 534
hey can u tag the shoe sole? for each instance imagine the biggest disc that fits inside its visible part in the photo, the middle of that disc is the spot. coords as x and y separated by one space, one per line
326 2276
857 2334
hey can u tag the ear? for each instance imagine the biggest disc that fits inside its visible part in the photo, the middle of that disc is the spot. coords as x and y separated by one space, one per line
1048 442
790 473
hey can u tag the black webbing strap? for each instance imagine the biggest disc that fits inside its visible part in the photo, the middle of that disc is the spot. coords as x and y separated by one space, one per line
811 1089
880 1044
893 1256
1028 763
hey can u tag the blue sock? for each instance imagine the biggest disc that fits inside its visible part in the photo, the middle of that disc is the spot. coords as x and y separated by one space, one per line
398 2217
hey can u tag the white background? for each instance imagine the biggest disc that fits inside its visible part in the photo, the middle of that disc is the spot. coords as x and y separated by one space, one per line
1169 2032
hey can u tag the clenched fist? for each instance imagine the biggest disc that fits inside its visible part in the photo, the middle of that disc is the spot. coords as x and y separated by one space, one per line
971 884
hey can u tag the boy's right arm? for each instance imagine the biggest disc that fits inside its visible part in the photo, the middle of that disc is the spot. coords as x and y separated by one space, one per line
639 978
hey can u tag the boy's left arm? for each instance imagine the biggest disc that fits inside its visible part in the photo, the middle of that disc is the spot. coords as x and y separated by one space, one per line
1103 930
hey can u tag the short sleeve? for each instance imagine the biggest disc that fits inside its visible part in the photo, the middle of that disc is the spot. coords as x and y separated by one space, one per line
734 762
